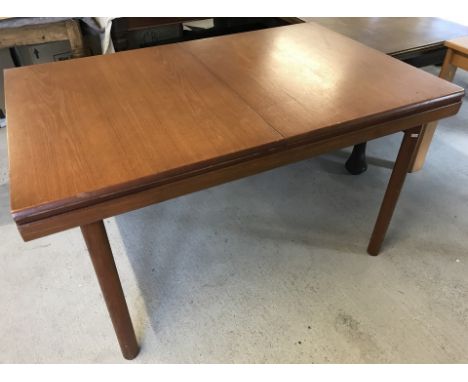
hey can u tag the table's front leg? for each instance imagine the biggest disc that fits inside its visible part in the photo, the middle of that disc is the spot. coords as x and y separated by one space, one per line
395 184
101 255
357 163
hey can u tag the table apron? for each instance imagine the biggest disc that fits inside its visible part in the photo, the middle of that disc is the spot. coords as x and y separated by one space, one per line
235 170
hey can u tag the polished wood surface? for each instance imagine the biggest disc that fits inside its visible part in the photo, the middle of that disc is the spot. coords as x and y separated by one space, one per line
394 35
103 261
88 130
92 125
200 180
303 89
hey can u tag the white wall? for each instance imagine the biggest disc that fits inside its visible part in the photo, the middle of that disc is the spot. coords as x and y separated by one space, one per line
461 19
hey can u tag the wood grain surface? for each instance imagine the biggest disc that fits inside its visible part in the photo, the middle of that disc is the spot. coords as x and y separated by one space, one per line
394 35
98 128
311 78
90 124
44 224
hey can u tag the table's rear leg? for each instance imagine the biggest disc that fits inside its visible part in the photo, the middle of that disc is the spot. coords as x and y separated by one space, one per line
356 163
101 255
395 184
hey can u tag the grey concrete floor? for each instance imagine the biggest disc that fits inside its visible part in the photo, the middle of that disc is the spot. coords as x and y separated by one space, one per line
271 268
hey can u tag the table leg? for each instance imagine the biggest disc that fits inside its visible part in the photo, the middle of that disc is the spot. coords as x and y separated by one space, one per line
356 163
101 256
395 184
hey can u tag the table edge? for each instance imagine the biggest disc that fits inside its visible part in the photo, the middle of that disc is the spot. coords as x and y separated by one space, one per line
113 207
49 209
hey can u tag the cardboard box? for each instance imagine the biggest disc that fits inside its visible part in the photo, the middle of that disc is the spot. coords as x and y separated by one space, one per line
42 53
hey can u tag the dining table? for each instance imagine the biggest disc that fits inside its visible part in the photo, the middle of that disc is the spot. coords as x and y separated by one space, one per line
95 137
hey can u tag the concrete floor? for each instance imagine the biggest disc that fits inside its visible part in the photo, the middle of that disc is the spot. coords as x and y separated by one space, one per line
271 268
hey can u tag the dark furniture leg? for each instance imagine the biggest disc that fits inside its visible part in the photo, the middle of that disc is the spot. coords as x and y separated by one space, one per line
395 184
101 255
356 163
14 56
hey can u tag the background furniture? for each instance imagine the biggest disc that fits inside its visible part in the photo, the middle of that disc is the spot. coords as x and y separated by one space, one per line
139 32
456 57
29 31
418 41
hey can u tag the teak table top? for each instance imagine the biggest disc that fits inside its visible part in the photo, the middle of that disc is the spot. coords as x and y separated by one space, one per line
97 128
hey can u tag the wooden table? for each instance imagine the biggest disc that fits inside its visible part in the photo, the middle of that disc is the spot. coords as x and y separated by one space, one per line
418 41
99 136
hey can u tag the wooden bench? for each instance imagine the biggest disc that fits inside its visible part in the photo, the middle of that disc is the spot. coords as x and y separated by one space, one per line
456 57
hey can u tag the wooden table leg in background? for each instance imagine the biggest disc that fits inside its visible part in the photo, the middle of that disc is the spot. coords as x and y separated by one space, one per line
395 184
447 72
103 261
